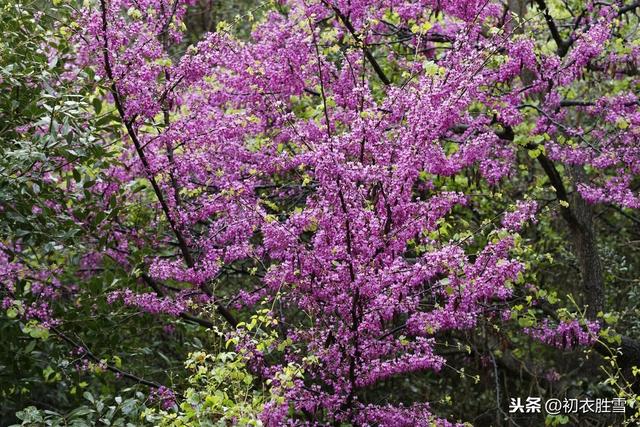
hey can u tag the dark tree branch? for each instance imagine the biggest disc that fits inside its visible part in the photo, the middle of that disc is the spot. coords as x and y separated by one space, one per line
563 46
95 358
186 316
372 60
579 216
629 8
182 243
136 142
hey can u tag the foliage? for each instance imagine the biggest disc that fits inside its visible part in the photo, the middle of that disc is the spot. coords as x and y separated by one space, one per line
349 213
96 411
221 388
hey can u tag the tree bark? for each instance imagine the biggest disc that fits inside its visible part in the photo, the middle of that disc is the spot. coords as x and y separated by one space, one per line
579 216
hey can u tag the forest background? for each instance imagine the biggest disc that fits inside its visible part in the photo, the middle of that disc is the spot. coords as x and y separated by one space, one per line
318 212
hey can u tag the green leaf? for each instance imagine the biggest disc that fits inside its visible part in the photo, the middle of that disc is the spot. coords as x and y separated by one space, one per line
97 105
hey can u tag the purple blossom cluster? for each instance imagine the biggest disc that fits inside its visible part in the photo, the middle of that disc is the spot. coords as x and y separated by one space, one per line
164 396
566 334
524 212
148 302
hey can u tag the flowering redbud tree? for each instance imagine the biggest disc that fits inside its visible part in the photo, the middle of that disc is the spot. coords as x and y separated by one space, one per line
375 173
